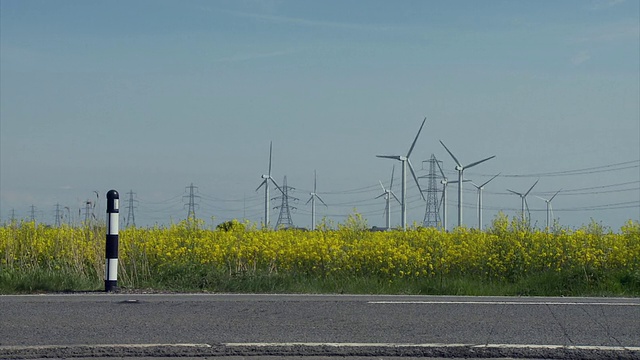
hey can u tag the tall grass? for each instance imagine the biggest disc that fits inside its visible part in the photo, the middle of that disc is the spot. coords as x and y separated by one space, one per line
507 259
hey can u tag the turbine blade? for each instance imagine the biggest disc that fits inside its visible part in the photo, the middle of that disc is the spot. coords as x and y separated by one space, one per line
416 179
495 176
270 151
322 201
450 153
309 200
531 188
393 169
416 139
382 186
381 195
478 162
262 183
395 197
394 157
315 180
554 195
515 192
439 167
276 184
541 198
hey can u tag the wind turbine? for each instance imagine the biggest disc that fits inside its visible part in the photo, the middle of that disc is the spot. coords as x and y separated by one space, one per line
443 200
405 160
549 207
523 198
480 187
265 183
388 193
461 170
313 198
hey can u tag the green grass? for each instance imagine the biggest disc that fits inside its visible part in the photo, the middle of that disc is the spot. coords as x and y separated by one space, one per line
202 280
37 281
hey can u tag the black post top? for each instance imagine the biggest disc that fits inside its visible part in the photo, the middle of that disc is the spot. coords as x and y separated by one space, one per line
112 201
112 194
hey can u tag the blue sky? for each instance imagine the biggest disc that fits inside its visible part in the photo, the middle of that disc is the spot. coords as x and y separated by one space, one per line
151 96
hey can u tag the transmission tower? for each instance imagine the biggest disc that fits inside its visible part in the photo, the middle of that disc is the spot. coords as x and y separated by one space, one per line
32 213
131 217
432 212
191 204
284 219
58 216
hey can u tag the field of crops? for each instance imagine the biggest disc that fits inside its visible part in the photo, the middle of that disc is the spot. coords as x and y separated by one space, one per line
505 259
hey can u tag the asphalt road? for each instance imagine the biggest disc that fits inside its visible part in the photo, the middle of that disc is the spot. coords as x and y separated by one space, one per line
239 325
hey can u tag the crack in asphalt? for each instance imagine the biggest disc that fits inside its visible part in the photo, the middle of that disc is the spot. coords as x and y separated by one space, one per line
604 326
494 325
564 329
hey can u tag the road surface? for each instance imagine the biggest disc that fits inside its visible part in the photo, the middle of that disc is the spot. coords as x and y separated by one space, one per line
321 325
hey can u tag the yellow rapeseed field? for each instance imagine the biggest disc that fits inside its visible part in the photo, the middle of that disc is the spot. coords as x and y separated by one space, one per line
505 252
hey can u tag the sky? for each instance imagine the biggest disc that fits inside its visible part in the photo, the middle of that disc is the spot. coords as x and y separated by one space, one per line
148 97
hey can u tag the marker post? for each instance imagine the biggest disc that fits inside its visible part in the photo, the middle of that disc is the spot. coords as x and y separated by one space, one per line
111 262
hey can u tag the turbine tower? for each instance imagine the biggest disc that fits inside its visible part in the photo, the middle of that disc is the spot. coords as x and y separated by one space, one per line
404 159
480 187
523 198
461 170
443 201
314 196
432 212
265 182
284 218
549 207
388 193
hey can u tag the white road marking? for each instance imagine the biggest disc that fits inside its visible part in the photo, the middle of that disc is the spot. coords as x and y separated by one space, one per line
437 345
569 303
98 346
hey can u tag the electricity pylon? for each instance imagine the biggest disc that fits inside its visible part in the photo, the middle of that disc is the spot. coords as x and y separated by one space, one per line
58 216
191 213
284 218
131 217
432 212
32 213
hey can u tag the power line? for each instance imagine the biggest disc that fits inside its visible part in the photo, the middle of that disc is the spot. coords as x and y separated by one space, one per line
633 164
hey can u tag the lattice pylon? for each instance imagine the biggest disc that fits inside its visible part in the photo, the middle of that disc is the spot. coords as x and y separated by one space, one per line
284 218
432 212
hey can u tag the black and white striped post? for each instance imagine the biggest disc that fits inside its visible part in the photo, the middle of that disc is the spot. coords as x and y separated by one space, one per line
111 262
